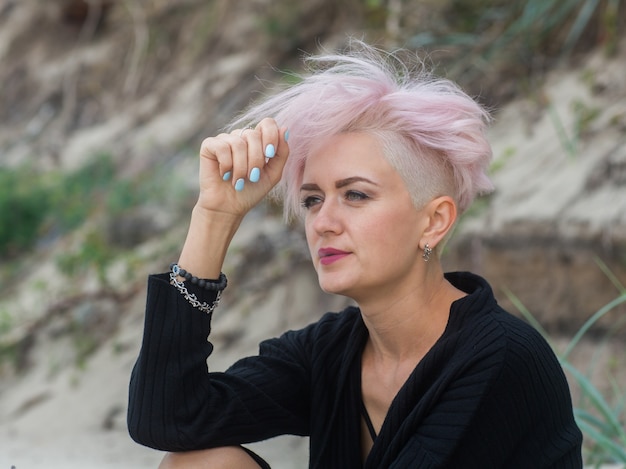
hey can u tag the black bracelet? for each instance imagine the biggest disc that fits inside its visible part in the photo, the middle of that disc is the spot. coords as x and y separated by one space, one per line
208 284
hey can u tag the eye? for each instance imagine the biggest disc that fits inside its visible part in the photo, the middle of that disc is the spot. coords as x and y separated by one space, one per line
355 196
310 201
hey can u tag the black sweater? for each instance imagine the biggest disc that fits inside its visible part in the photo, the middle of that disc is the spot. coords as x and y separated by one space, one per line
489 394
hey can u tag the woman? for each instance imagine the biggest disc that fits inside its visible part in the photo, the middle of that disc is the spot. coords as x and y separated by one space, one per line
380 161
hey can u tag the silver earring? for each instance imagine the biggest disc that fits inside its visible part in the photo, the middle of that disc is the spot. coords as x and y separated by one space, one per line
427 252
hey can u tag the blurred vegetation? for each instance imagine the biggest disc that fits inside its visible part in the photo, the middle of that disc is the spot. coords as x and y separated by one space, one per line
23 206
39 207
500 48
34 205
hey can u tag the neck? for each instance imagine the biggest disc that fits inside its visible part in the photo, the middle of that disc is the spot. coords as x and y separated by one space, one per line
405 328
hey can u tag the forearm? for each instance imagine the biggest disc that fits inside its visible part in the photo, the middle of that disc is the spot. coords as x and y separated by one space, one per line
206 245
174 350
228 163
175 404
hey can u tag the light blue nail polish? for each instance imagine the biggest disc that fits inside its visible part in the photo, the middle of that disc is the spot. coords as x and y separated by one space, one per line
255 175
270 151
287 135
227 175
239 184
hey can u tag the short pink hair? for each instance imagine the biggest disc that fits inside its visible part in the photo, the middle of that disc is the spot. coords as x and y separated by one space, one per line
431 132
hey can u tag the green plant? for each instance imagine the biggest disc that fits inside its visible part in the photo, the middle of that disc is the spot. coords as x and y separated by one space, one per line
502 160
34 203
599 421
152 187
8 349
84 346
6 322
585 116
92 253
23 208
569 143
75 195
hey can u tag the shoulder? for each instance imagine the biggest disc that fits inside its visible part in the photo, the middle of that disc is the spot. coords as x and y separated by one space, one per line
331 330
527 356
523 364
478 317
485 331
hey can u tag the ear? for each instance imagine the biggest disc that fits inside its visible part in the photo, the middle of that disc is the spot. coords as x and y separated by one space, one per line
441 213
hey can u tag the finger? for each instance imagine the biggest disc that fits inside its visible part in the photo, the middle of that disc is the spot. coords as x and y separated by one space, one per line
275 166
256 160
217 149
239 154
270 136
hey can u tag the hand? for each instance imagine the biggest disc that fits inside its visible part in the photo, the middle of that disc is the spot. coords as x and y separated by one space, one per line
239 168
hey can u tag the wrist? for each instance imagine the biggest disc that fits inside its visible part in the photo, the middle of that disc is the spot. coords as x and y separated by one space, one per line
215 217
210 233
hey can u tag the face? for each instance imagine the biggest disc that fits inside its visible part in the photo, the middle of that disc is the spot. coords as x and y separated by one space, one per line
362 229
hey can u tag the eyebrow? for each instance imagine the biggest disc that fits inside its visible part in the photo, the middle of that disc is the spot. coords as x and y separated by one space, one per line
338 184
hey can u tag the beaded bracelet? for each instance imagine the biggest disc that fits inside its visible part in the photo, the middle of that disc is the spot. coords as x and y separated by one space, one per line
207 284
214 285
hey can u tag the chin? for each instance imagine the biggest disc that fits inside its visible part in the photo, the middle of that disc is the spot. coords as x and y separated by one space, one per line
329 285
336 287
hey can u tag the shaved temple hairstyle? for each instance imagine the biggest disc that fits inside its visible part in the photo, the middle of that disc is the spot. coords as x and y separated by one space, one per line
430 131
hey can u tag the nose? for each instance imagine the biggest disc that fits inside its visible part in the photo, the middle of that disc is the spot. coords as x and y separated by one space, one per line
327 219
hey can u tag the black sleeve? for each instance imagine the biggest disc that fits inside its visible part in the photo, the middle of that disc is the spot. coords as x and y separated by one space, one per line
175 404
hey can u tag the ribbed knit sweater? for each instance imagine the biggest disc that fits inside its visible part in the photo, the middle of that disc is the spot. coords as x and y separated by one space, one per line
489 394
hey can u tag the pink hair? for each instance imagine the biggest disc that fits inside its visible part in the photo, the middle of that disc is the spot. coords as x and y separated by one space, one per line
431 131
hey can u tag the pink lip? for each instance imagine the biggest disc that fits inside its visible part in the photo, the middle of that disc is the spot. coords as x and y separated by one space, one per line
329 255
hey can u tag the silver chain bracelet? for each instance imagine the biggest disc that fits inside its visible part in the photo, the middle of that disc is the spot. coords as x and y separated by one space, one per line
192 298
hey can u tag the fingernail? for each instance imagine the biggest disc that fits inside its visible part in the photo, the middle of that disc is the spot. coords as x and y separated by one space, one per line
239 184
287 135
227 175
255 174
270 151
